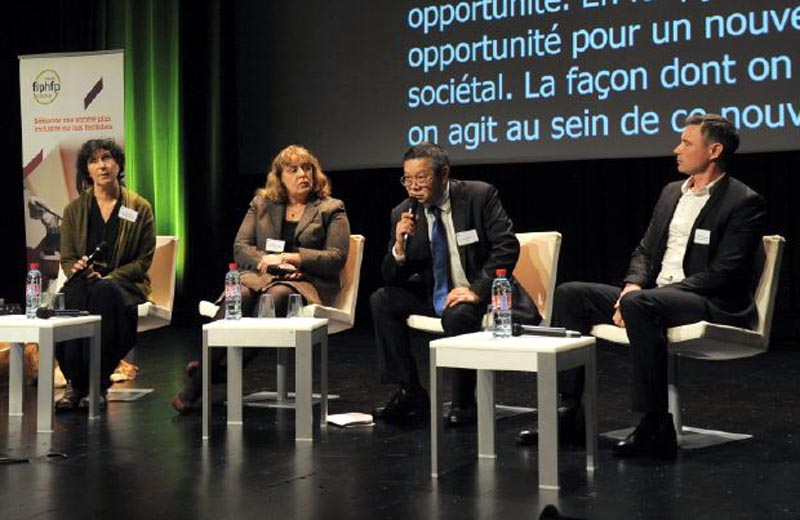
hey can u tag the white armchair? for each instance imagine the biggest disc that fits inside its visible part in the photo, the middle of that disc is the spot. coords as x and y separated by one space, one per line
710 341
152 314
157 312
536 271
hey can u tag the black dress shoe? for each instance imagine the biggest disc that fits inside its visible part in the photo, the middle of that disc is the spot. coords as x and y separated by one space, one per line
461 415
70 400
571 428
191 368
185 406
83 404
653 438
551 513
406 403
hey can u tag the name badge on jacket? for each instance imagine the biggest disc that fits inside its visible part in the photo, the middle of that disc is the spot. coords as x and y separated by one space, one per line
465 238
702 236
128 214
275 246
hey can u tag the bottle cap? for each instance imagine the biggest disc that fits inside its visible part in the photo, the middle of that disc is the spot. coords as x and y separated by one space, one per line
501 272
34 265
232 266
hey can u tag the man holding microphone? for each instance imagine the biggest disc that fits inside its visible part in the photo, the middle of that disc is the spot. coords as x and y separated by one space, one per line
447 241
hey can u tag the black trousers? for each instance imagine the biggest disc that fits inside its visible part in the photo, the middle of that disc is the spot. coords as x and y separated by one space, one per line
391 306
647 315
117 307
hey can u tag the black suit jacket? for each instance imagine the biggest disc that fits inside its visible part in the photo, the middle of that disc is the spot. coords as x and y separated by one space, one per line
722 270
475 205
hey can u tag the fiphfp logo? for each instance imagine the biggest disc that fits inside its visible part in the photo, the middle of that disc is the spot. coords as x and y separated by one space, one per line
46 87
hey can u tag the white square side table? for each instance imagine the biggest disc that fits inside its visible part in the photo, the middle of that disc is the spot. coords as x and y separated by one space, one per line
19 330
541 354
300 334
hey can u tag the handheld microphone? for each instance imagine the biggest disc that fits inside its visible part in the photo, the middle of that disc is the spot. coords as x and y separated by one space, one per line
89 261
45 313
518 329
412 209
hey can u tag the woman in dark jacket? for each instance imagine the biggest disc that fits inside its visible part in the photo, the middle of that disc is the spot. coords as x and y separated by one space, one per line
118 223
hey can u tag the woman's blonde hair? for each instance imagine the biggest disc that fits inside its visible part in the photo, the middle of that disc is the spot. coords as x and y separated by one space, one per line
294 154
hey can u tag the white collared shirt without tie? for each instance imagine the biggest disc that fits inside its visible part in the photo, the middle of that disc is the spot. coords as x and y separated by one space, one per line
688 209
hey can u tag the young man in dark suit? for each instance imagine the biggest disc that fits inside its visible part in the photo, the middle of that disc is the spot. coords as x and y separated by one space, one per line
447 241
695 262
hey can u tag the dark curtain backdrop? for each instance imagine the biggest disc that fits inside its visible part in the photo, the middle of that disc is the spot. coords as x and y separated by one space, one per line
30 28
600 207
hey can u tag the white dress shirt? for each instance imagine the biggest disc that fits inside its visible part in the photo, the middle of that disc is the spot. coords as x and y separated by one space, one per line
458 277
680 227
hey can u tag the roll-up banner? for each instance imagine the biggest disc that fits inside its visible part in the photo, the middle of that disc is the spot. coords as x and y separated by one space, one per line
65 99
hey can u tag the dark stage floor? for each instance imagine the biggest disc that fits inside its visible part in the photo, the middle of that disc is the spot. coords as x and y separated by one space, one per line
140 460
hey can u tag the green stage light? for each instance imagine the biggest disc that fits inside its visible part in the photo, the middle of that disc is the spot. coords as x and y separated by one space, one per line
149 33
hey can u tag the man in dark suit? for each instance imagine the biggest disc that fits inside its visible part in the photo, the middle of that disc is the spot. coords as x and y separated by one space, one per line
447 241
695 262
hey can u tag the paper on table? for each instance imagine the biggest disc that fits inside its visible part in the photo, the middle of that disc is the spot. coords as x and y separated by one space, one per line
351 419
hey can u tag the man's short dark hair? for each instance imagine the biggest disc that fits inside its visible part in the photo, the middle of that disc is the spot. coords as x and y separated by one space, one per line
83 180
717 129
434 152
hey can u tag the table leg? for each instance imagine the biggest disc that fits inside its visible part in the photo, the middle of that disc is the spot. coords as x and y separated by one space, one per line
16 376
281 374
437 409
486 421
547 396
94 372
303 377
206 388
44 391
590 407
234 386
323 380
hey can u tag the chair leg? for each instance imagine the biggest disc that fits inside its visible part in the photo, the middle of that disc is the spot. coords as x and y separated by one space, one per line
674 393
282 397
689 438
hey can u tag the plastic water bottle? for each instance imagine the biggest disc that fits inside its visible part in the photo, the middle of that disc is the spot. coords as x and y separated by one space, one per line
233 293
33 290
501 302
